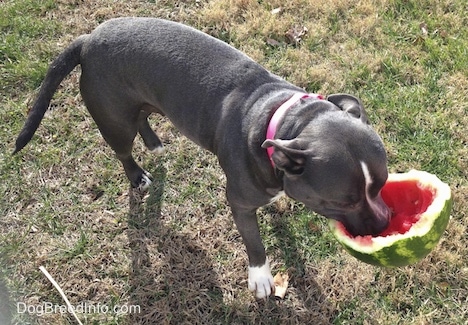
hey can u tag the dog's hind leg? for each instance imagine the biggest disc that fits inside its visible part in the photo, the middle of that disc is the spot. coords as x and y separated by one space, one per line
119 131
151 140
121 141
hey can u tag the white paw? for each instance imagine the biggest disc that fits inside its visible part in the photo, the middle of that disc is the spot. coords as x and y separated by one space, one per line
145 182
261 281
158 150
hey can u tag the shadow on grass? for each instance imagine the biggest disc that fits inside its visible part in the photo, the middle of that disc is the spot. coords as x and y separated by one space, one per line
312 306
179 282
173 278
6 306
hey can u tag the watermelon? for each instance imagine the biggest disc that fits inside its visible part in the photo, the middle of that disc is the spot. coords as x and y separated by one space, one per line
421 205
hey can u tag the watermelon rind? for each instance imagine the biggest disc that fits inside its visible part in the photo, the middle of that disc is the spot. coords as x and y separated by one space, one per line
420 240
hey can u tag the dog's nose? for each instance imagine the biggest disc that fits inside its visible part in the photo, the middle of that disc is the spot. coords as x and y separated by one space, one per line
380 215
368 223
367 228
380 226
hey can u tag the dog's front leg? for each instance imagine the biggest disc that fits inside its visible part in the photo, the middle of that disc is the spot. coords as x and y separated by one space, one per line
260 278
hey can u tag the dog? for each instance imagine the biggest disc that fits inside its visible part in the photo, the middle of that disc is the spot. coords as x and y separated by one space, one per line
269 136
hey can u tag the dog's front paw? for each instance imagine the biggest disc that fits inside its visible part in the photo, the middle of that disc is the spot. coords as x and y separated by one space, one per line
261 281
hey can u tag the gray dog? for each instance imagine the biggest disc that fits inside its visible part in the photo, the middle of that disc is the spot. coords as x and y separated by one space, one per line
320 151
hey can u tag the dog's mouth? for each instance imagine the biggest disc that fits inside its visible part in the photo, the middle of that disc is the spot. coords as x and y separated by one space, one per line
372 220
365 227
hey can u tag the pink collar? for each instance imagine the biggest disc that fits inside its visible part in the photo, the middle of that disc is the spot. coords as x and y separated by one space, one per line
278 116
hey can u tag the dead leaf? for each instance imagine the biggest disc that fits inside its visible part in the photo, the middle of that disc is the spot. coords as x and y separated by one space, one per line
444 287
423 27
281 281
313 226
419 40
276 11
295 34
273 42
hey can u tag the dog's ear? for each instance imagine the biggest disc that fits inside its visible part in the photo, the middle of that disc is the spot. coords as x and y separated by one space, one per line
287 156
350 105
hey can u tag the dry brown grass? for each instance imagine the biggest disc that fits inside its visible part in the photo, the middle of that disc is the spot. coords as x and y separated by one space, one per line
175 252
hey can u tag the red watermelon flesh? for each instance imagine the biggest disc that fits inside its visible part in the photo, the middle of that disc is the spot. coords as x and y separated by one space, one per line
407 200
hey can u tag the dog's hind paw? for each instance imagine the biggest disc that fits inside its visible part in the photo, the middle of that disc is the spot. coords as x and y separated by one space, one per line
158 150
145 182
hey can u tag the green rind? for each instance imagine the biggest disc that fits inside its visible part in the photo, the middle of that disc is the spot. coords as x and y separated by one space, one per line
405 251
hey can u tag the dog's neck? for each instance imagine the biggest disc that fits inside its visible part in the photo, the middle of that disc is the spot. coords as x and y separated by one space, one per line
278 116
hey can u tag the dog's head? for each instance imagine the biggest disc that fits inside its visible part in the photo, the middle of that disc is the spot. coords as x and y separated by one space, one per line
337 166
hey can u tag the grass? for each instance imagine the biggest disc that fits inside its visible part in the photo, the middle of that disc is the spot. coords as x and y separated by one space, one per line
175 252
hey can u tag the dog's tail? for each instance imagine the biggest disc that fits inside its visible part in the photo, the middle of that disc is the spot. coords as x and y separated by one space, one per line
58 70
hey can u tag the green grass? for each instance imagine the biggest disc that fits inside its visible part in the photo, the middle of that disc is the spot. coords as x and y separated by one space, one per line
66 204
24 40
